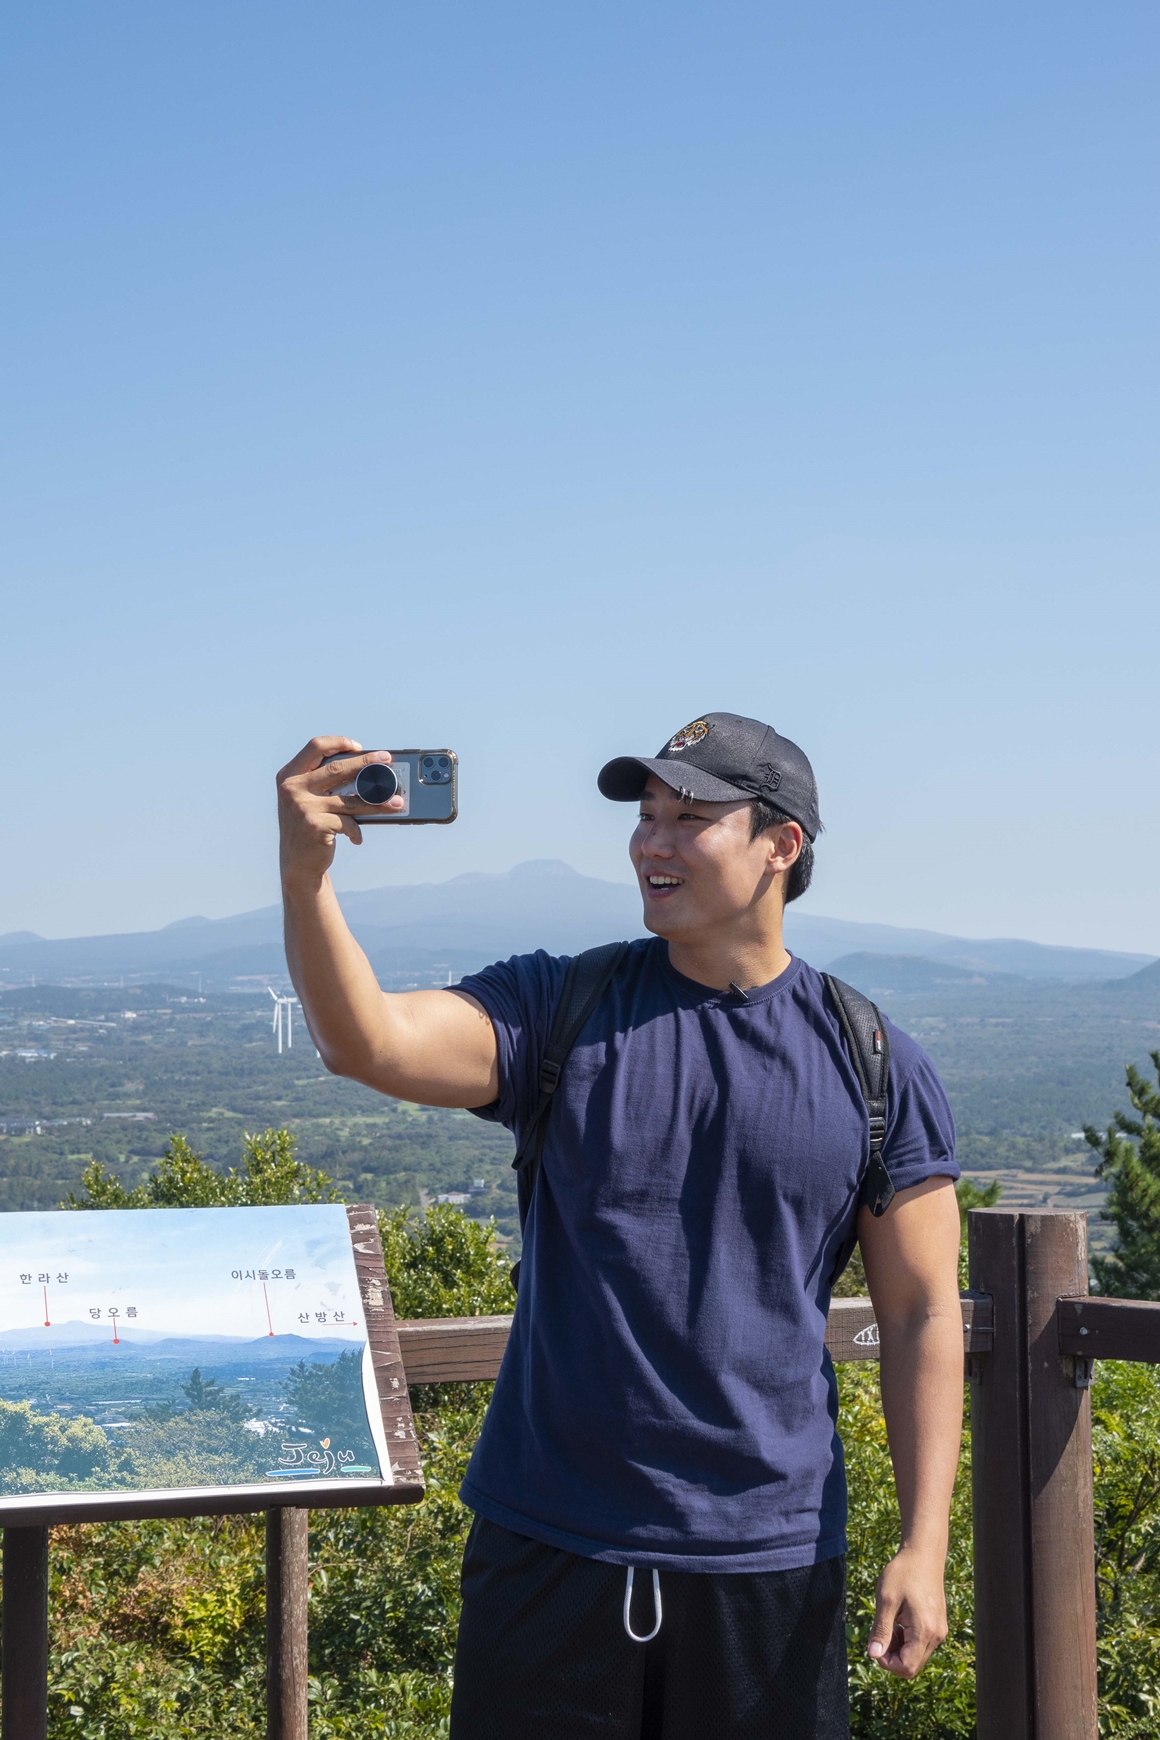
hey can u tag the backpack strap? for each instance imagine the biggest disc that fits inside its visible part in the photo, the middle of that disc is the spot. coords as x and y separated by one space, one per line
869 1047
586 978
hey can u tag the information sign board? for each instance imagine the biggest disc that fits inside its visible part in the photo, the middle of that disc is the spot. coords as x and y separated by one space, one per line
189 1361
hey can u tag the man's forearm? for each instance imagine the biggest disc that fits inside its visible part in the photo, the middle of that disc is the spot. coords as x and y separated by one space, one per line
922 1400
344 1005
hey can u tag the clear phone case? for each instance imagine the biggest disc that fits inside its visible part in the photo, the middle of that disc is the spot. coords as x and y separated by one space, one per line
428 782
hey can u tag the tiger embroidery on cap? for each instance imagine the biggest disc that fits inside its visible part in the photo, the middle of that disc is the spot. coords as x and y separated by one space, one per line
691 734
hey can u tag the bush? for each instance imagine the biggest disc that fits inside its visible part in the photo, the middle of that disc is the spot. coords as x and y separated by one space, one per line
941 1702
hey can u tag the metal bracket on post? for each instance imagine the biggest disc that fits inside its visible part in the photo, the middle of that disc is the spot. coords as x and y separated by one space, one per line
1083 1366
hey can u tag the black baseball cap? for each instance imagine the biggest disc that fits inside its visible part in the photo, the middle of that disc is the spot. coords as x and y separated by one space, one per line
721 757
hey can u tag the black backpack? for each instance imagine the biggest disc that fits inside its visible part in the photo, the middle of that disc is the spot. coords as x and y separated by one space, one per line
587 977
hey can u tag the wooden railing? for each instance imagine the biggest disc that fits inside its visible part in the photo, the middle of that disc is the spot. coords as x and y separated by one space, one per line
1030 1334
446 1350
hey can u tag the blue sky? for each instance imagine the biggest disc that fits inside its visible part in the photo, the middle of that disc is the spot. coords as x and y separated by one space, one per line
531 380
185 1271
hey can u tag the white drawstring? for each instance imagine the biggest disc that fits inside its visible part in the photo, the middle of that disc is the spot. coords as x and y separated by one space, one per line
628 1607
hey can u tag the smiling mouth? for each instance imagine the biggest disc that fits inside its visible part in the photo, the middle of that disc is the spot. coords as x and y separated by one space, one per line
658 884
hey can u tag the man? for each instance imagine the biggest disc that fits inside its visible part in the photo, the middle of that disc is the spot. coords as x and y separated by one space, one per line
658 1548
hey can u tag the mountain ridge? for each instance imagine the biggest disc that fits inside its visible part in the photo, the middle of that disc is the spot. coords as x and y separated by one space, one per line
486 915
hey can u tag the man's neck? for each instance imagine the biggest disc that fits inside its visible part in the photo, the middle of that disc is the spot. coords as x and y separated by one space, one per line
720 962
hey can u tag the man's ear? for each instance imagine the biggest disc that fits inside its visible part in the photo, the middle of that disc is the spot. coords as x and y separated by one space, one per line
785 846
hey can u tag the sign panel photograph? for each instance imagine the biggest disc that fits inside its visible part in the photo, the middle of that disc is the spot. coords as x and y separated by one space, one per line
196 1360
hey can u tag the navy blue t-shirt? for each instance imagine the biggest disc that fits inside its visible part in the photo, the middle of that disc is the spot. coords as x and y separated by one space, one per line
666 1397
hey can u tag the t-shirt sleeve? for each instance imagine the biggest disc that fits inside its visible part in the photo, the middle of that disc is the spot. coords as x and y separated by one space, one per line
920 1130
520 996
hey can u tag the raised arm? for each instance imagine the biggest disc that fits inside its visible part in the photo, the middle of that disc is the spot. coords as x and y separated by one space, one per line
418 1045
911 1259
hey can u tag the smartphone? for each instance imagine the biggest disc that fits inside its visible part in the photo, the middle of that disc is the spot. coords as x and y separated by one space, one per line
427 780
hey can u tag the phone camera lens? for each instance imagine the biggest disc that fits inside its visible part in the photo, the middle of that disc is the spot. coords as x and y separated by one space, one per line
444 761
428 761
376 784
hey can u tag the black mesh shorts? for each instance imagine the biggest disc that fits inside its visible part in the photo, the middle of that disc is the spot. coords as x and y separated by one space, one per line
543 1653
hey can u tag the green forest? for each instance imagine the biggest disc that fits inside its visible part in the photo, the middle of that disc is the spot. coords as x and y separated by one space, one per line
105 1074
158 1627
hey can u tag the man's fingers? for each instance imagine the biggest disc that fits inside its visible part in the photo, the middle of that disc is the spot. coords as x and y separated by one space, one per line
908 1653
903 1650
893 1644
896 1656
336 773
884 1627
312 754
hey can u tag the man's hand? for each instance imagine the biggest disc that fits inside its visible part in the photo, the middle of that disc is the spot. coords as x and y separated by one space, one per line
910 1619
310 816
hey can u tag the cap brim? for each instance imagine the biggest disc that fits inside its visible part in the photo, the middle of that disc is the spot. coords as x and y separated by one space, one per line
624 779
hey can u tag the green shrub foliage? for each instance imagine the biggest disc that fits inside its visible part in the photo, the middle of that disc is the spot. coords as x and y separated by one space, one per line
1130 1158
269 1173
159 1626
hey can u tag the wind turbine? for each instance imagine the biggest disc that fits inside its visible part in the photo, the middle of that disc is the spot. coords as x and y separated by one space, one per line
280 1004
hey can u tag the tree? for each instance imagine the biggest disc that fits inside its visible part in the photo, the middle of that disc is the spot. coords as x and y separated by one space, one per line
269 1173
442 1264
206 1395
329 1398
43 1453
1130 1149
971 1195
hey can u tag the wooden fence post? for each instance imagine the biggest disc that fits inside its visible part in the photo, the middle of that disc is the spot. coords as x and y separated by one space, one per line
1063 1559
287 1591
1032 1475
25 1634
1000 1485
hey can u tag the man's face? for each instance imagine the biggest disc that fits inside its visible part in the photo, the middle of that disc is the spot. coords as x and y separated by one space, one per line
698 868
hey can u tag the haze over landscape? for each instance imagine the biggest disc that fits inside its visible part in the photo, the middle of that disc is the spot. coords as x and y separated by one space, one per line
475 918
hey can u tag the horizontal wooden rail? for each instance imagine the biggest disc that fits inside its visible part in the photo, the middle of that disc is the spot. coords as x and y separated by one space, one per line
852 1333
452 1350
448 1350
1110 1329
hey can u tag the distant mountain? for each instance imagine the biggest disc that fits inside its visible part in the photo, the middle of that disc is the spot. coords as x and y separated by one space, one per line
823 940
1147 979
875 975
92 1337
460 924
58 1335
